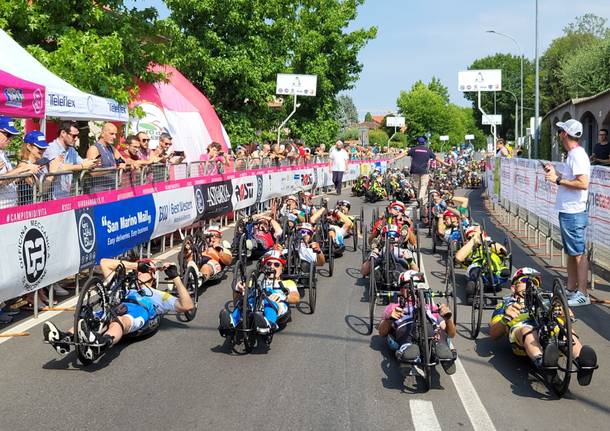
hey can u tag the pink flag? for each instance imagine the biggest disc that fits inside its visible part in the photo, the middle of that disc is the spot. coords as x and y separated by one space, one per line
20 98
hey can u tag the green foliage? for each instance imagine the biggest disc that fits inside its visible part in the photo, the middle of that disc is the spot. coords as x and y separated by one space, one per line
349 134
99 49
347 114
511 81
368 117
588 24
233 50
437 87
378 137
587 72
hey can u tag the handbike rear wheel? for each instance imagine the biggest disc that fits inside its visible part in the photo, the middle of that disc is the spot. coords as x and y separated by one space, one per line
476 311
312 287
372 295
560 314
331 256
191 282
450 287
355 234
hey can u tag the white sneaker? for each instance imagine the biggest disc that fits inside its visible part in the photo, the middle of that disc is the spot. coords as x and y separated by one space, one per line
577 298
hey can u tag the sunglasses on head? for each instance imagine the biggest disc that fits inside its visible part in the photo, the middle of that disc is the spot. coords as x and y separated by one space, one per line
274 264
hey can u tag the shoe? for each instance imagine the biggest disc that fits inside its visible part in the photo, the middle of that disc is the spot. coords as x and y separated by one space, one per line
470 288
226 326
408 353
57 339
588 359
100 343
550 359
577 298
446 357
60 291
262 324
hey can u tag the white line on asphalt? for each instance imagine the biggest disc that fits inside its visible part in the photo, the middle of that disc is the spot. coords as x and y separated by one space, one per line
479 418
423 416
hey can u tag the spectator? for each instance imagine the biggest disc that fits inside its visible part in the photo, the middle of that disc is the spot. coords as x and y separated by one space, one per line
34 146
132 155
571 204
277 154
72 161
320 152
501 148
8 187
215 159
601 151
163 153
338 158
421 155
240 158
109 158
145 151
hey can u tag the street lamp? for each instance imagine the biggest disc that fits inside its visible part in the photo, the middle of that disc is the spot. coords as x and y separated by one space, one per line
522 57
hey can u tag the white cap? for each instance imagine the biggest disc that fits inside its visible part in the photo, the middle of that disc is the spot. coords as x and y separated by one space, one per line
571 127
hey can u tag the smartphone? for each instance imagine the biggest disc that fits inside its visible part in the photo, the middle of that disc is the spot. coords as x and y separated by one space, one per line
542 164
99 156
43 161
178 154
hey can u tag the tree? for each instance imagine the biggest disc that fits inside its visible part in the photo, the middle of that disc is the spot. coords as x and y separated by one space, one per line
233 50
511 81
588 24
347 114
437 86
588 71
100 49
368 117
427 111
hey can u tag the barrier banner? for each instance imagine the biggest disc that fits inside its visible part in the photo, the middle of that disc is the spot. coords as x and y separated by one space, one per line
174 209
121 226
245 191
217 199
37 253
87 239
599 206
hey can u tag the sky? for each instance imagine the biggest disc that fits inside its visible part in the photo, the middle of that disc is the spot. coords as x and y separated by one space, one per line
418 39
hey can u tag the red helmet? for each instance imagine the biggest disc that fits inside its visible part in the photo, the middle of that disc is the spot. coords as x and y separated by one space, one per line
449 213
398 206
274 255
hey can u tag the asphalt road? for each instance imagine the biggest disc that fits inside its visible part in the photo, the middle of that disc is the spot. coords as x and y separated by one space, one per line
322 373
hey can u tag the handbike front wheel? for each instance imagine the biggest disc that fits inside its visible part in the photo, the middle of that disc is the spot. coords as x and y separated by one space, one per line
91 307
372 295
191 283
560 315
424 340
312 288
476 311
450 288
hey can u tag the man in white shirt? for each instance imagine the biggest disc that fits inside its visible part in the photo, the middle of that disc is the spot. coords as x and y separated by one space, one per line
571 204
338 158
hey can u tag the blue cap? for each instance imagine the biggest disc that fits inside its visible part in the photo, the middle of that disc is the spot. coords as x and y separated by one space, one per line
421 140
36 138
8 125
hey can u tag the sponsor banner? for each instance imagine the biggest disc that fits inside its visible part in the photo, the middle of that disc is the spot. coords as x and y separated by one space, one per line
121 226
174 209
37 253
87 238
272 186
353 172
599 206
217 199
245 192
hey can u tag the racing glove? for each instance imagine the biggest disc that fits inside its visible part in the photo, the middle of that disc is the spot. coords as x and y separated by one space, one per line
171 272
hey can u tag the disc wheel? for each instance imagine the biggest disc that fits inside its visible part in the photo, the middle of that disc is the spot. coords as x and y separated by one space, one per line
476 311
372 295
92 302
424 339
560 316
312 287
191 282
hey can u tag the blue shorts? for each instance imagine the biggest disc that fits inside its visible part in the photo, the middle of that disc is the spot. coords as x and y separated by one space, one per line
572 227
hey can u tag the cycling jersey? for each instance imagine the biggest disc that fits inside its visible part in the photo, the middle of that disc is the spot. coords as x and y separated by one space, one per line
402 328
523 319
272 309
146 305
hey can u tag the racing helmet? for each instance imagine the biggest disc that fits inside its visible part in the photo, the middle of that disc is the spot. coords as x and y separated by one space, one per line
449 213
470 231
292 198
527 274
305 229
407 276
274 255
344 203
398 206
213 230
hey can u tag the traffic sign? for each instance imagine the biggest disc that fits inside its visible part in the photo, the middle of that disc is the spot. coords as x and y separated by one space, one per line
490 119
480 80
469 137
444 138
299 85
363 135
395 121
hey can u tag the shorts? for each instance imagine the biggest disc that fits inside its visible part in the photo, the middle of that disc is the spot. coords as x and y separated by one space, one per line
339 235
138 315
216 267
572 227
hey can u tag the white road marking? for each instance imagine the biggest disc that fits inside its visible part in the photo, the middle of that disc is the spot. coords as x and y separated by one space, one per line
423 416
478 415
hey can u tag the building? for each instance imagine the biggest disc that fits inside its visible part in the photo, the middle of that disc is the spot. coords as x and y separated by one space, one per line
593 112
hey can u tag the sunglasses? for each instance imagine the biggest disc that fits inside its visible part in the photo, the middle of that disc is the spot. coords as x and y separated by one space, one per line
273 264
74 135
534 280
396 209
304 232
144 140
